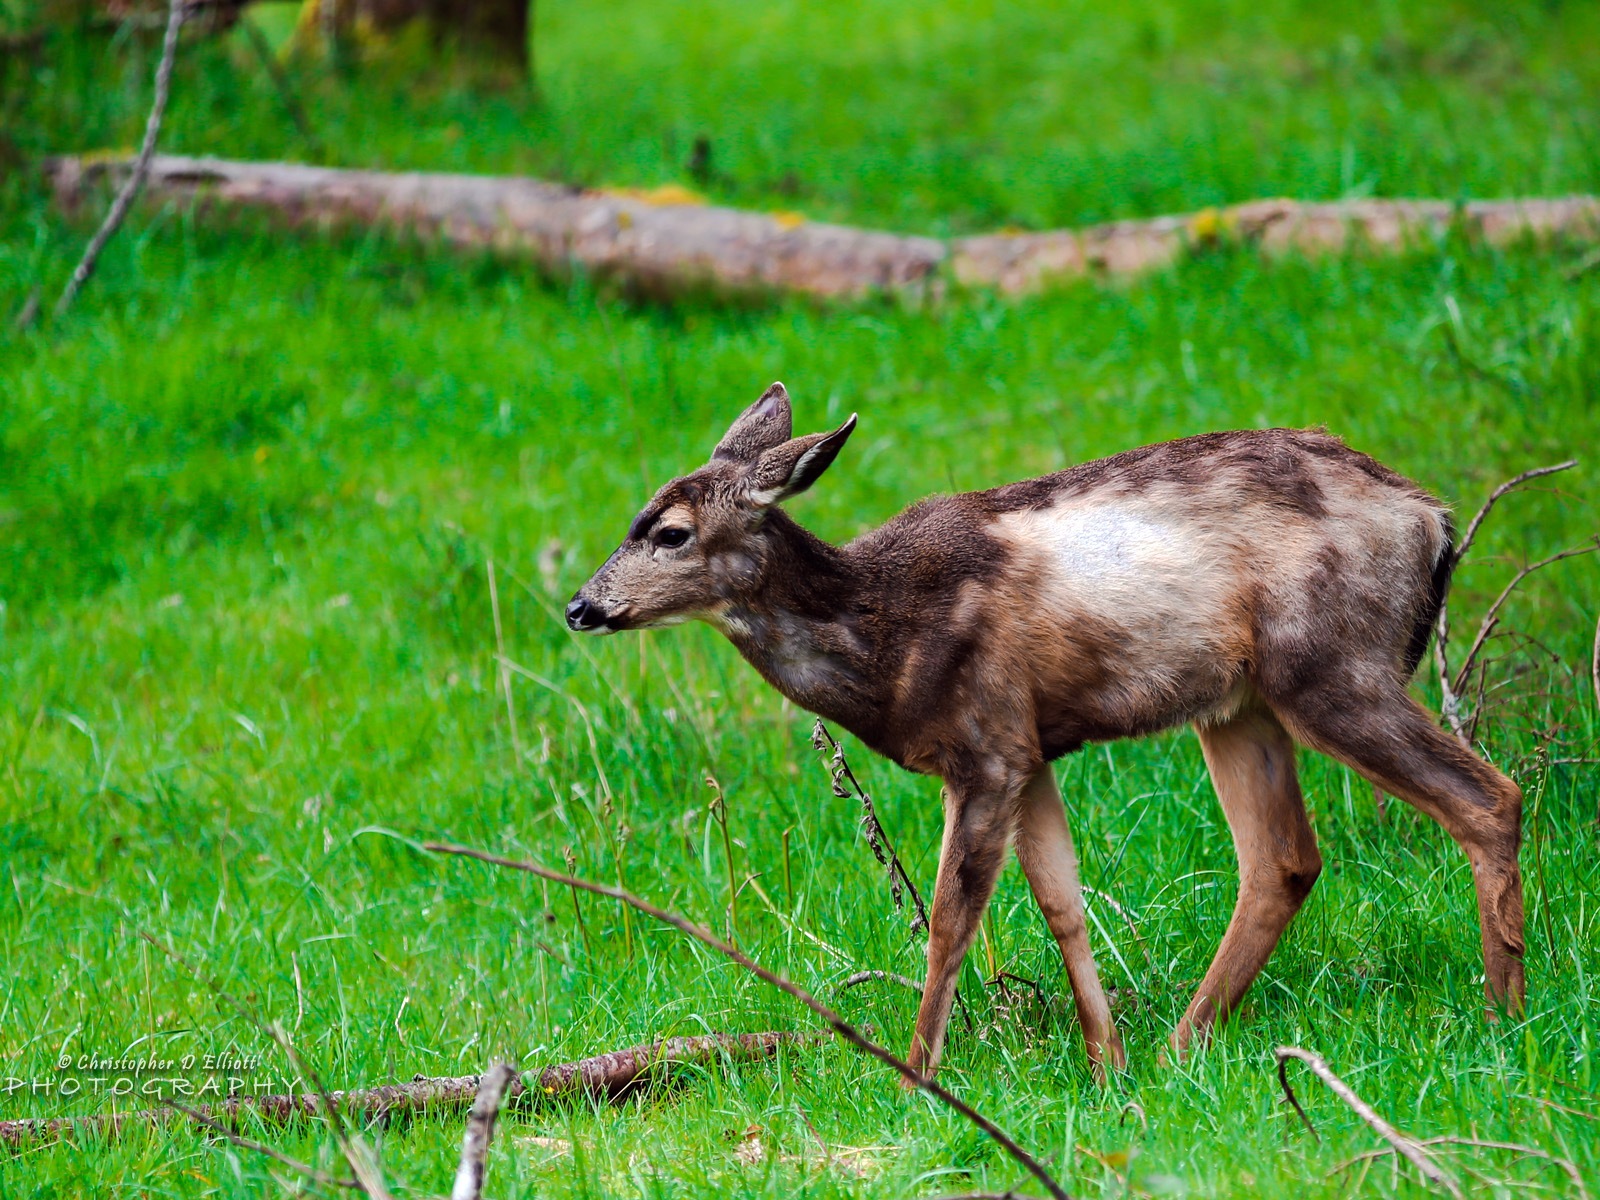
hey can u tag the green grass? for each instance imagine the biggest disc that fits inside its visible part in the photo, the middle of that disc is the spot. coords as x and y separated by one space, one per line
249 490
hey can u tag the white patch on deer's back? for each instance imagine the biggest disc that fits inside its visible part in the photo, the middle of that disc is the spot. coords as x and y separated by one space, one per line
1169 581
1101 545
1151 590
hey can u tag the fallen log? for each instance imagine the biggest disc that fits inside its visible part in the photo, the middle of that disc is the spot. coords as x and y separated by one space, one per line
659 247
667 242
610 1077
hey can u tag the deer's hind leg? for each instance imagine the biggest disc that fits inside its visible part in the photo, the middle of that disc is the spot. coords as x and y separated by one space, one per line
1251 759
1044 848
1391 740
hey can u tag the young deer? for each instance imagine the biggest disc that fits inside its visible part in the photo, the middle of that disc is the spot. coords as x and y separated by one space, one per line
1265 586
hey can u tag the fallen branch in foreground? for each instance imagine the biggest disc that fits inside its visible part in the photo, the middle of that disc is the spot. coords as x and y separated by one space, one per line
667 241
610 1076
1567 1166
480 1131
1411 1150
838 1024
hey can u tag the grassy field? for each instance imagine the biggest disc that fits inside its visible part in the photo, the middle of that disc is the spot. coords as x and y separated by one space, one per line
250 490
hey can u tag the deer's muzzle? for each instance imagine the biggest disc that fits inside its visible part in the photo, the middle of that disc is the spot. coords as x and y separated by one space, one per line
584 616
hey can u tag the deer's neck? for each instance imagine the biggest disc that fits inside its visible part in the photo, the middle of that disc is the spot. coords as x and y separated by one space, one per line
803 625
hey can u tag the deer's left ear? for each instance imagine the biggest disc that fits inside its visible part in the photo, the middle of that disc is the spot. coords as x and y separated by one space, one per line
791 468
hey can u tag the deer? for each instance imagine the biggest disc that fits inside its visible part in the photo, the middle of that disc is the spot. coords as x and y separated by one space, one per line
1268 587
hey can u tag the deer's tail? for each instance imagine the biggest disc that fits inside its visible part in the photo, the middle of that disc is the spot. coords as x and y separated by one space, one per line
1438 584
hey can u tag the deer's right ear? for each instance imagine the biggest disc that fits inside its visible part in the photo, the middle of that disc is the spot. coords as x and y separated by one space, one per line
765 424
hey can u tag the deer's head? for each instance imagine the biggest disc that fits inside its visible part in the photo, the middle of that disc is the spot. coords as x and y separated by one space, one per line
695 548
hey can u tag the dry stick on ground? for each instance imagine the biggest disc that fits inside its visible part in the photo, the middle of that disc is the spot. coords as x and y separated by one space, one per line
861 977
362 1159
1451 684
837 1023
1566 1164
1403 1145
480 1130
141 166
608 1076
839 770
363 1162
316 1175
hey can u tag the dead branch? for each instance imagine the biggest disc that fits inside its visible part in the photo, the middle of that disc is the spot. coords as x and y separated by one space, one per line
611 1076
294 1164
141 165
1565 1164
834 1021
29 312
861 977
1411 1150
1492 617
839 771
1594 664
1452 684
1511 484
363 1161
480 1130
668 241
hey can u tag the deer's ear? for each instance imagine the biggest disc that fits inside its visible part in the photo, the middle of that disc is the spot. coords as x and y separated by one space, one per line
765 424
791 468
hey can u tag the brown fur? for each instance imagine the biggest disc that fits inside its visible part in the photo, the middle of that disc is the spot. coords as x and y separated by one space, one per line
1257 584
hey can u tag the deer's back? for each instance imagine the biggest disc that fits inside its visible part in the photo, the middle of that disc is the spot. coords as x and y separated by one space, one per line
1164 584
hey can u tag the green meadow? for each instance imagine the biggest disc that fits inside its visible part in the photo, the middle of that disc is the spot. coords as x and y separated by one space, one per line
252 486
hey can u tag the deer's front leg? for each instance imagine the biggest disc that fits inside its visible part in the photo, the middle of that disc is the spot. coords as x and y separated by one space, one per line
977 829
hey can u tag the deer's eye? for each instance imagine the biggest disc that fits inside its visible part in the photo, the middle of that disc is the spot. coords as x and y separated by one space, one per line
672 538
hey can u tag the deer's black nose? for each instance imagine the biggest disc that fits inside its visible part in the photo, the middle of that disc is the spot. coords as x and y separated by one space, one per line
582 615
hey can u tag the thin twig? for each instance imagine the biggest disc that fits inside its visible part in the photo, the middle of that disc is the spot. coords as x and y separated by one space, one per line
1511 484
1594 664
141 167
362 1162
861 977
1450 683
316 1175
719 813
280 81
882 849
1567 1165
837 1023
1403 1145
480 1130
505 667
1486 626
29 312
